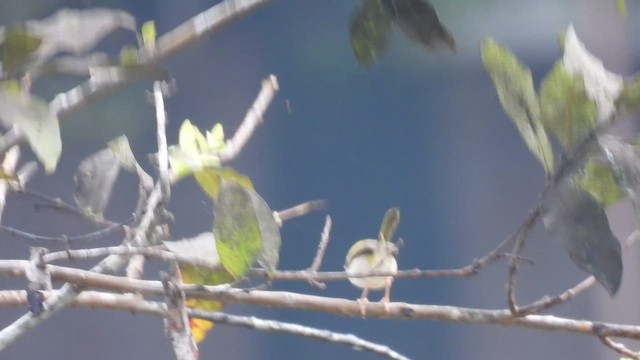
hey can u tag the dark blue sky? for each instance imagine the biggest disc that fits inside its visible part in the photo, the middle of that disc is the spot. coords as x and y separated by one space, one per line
421 131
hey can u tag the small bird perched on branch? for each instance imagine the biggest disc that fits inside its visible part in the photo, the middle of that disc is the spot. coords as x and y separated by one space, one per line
375 255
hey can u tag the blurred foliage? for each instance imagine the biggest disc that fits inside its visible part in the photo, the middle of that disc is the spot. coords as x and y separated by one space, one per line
372 22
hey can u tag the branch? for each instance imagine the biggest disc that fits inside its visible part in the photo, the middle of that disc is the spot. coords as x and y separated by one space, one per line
69 292
191 30
134 304
251 121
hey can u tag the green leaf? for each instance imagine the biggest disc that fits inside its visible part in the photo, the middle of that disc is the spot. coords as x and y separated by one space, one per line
215 137
190 138
565 108
236 228
572 215
598 180
94 181
369 29
33 117
149 33
16 45
209 179
514 86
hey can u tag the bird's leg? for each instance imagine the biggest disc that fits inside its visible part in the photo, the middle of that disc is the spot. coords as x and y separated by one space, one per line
363 301
388 281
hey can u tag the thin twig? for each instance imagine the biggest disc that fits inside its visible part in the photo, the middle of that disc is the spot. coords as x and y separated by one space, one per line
254 323
567 166
322 246
251 121
299 210
92 236
60 205
9 164
618 347
546 302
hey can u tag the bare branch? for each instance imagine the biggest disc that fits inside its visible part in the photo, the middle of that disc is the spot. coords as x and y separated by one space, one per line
251 121
299 210
618 347
299 330
324 240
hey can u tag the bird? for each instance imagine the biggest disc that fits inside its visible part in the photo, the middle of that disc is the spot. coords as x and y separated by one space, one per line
375 255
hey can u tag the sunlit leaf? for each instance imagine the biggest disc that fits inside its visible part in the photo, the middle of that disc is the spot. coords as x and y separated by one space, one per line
369 29
565 108
598 180
32 115
236 228
514 86
419 21
215 137
209 179
190 138
602 86
94 181
573 216
149 33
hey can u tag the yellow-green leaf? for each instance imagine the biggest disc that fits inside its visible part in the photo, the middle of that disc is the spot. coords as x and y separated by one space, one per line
597 179
565 107
209 179
236 228
149 33
514 85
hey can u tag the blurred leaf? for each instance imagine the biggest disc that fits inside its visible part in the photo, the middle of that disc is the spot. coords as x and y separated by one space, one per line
572 215
245 230
215 137
236 228
597 179
269 256
94 181
630 96
122 152
77 31
195 152
16 45
369 29
565 108
621 7
149 33
419 21
32 116
602 86
625 161
201 247
209 179
514 86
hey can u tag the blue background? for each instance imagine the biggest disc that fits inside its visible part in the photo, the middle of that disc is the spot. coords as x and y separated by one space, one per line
422 131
